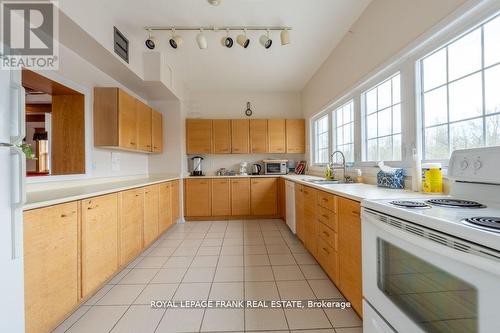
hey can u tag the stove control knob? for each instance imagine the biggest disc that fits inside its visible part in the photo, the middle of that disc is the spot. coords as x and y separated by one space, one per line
478 165
464 164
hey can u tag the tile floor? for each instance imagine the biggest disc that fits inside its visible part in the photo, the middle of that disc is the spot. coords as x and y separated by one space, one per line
229 260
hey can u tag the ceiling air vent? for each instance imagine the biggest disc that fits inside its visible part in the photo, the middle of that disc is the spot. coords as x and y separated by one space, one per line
121 44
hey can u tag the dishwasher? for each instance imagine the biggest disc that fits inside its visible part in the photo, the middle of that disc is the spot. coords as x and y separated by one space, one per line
290 205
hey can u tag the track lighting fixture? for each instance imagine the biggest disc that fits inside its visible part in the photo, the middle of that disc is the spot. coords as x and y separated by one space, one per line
227 41
175 40
265 40
214 2
201 39
150 41
285 37
243 40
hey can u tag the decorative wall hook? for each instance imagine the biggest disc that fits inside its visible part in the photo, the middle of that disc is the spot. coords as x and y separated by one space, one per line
248 111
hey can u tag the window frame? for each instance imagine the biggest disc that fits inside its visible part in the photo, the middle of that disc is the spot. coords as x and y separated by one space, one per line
352 123
314 137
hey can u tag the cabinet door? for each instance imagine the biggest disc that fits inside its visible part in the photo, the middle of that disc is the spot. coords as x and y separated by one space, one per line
151 202
127 121
282 198
349 251
295 136
264 196
175 201
240 136
165 207
50 265
198 136
221 197
157 131
277 135
258 136
221 136
240 197
299 212
310 222
197 197
99 241
131 219
144 117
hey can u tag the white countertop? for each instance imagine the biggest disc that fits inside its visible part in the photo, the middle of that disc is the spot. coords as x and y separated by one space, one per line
38 199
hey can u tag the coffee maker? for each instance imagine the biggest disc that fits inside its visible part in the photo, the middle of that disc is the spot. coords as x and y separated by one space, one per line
196 168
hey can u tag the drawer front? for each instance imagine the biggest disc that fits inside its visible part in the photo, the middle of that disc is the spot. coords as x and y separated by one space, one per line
327 217
327 200
328 235
327 257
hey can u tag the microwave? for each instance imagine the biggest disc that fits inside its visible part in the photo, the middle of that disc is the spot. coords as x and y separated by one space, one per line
275 167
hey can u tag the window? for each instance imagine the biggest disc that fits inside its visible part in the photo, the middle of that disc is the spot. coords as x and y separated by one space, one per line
382 132
343 120
460 99
321 140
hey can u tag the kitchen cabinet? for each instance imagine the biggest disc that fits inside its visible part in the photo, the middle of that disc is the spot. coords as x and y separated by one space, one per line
198 136
221 197
240 136
240 197
151 210
144 127
157 131
175 201
276 129
51 280
264 196
99 232
123 122
221 136
300 227
309 218
197 197
164 206
295 136
258 136
327 256
282 198
349 251
131 219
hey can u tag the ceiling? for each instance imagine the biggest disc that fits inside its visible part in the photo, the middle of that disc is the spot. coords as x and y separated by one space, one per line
318 26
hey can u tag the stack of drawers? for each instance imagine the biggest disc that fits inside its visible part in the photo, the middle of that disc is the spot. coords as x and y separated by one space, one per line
327 234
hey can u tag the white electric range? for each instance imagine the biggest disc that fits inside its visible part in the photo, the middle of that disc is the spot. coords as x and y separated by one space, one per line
433 264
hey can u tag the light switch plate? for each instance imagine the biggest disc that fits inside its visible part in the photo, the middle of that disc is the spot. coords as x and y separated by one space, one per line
115 162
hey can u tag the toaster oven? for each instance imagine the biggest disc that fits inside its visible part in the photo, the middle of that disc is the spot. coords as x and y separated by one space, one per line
275 167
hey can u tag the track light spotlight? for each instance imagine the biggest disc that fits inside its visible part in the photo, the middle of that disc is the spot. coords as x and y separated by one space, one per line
243 40
265 40
227 41
150 41
201 39
285 37
175 40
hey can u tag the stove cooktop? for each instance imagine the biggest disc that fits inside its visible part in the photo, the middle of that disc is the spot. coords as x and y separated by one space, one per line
489 223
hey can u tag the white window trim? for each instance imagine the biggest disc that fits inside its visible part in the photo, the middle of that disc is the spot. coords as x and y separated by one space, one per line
334 126
312 138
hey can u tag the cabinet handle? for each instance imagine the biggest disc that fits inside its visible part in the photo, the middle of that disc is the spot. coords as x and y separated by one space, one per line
324 199
149 146
325 216
92 207
132 143
326 234
67 215
326 250
355 212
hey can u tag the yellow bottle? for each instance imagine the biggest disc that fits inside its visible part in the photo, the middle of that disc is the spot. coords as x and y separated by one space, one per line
432 178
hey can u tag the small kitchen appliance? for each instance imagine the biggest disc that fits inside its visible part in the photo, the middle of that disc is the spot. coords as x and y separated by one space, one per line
432 264
275 167
196 168
243 168
256 169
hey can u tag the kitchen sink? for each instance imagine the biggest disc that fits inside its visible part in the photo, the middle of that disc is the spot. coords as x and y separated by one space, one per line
322 181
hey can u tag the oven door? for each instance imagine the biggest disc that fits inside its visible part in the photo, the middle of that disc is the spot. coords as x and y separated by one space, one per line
420 280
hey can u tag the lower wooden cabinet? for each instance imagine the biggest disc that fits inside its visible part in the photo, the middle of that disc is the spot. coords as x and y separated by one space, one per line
151 214
175 201
300 227
50 265
197 196
264 196
282 198
221 197
99 241
240 197
164 207
131 221
310 220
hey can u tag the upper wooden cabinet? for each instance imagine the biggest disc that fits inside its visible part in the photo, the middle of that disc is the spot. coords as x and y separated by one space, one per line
197 197
240 136
277 135
221 136
264 196
157 131
50 265
258 136
175 201
123 122
295 136
198 136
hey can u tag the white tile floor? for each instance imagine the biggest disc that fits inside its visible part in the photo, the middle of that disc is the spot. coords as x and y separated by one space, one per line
233 260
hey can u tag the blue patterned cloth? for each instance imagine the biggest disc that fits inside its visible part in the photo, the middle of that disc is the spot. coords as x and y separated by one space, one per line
391 179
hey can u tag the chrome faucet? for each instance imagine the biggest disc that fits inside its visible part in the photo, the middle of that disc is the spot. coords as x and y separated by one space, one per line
342 166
